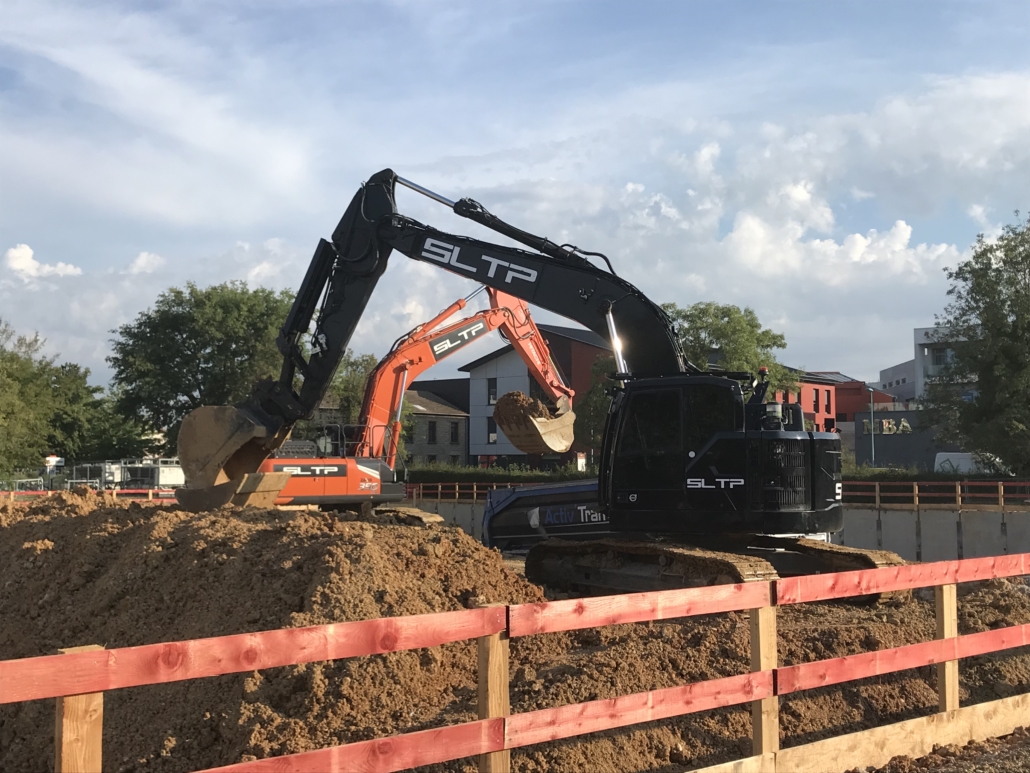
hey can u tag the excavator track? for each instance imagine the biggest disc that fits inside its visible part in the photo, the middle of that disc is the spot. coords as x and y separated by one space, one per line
630 566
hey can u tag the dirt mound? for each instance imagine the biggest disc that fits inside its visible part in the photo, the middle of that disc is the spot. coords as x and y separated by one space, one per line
127 575
122 576
516 408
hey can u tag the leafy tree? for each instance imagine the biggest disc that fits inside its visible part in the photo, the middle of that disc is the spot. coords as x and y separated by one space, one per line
731 337
592 407
348 387
47 407
196 346
24 401
981 397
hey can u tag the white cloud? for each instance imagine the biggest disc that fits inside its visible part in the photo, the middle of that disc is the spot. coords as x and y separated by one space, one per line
204 137
146 263
780 251
21 261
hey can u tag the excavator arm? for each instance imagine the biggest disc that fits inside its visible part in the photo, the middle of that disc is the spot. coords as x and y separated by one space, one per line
221 447
432 341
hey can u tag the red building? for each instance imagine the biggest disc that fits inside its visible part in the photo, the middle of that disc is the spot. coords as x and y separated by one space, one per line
817 399
852 395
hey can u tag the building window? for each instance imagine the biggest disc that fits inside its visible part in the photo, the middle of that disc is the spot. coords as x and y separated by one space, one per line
431 459
884 386
491 391
491 430
940 357
786 398
431 432
828 406
904 380
815 400
454 433
455 460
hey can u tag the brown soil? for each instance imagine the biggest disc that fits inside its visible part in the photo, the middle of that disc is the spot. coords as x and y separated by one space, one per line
77 570
515 408
1008 754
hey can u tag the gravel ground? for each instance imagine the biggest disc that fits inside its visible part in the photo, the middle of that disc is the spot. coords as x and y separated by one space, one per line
1007 754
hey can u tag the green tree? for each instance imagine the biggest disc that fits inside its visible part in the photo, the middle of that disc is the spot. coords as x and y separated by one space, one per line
731 337
981 396
592 407
196 346
24 401
348 388
46 407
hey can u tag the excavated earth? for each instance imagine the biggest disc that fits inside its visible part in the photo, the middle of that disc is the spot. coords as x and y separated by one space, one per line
76 569
514 408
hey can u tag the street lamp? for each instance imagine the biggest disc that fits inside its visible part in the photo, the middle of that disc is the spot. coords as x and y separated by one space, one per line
872 429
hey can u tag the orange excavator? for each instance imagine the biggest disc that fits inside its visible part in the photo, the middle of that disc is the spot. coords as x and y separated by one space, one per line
354 464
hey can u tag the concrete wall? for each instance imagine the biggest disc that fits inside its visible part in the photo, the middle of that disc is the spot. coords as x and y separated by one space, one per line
937 535
467 516
915 535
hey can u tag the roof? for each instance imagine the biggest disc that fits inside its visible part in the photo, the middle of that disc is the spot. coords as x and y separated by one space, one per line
584 336
426 403
819 377
834 375
580 334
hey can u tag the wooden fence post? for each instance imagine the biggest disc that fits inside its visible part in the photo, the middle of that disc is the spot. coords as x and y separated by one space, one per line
958 493
79 728
1001 495
915 495
876 489
765 713
493 692
947 627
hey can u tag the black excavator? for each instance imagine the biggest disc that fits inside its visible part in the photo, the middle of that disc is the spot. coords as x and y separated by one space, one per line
697 474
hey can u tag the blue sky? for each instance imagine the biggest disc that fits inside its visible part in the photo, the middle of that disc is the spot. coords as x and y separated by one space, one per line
819 162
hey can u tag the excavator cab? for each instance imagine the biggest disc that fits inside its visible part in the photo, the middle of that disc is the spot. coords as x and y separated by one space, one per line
686 455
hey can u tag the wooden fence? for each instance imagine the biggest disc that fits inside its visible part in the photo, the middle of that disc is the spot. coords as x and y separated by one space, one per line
939 494
898 495
78 678
451 492
133 495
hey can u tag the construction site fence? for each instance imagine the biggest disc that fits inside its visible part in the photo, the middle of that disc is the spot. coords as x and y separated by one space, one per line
939 495
905 495
453 492
77 678
136 495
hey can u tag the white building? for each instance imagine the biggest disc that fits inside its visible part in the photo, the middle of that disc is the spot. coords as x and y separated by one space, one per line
573 351
907 380
489 378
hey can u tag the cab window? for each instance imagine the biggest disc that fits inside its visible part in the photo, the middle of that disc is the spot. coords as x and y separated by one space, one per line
650 449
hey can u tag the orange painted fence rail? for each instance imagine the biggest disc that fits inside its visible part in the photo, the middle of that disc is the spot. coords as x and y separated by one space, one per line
902 495
89 672
942 494
149 494
451 492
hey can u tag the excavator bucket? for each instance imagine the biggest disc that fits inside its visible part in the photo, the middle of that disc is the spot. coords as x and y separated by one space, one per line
531 427
221 449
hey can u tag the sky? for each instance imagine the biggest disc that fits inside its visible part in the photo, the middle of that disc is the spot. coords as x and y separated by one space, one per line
822 163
